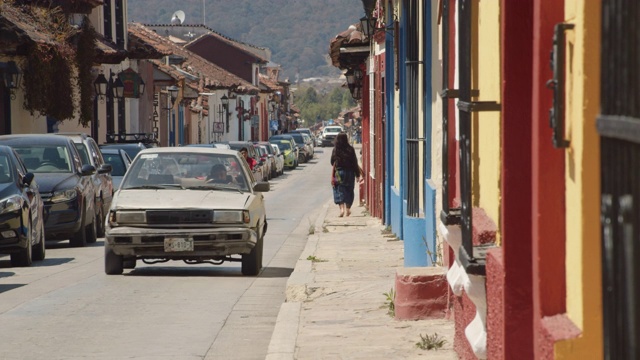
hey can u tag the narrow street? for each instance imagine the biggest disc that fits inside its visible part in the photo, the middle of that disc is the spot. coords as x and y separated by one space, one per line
65 307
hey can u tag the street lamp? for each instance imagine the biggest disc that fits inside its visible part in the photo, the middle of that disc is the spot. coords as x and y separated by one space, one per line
225 104
367 24
100 85
141 87
11 76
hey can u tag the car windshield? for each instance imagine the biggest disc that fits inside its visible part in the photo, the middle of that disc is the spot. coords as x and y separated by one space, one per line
117 164
45 158
195 171
284 146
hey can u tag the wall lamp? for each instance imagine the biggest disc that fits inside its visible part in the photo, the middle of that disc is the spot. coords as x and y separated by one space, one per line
11 76
368 25
225 104
115 88
354 82
173 94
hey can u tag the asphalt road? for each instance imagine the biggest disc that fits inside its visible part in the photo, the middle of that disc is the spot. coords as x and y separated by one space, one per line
65 307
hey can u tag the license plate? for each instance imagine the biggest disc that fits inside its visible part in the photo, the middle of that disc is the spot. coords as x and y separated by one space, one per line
178 244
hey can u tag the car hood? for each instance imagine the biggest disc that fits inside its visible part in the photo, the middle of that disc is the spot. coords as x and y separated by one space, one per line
180 199
49 182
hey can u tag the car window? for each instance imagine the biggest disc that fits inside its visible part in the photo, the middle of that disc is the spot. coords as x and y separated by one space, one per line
198 171
45 158
84 155
117 164
5 170
95 152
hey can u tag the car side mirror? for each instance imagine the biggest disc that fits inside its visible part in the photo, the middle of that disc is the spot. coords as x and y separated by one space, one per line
105 169
262 186
87 170
27 179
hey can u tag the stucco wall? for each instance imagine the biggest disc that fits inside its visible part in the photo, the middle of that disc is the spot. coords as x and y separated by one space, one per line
486 125
583 263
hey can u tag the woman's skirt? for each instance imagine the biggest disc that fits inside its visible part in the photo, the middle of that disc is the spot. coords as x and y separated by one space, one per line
343 193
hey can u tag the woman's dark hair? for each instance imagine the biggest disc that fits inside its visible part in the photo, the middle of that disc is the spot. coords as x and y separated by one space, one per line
342 140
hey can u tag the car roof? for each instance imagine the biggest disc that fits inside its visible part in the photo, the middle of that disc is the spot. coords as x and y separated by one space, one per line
187 150
27 139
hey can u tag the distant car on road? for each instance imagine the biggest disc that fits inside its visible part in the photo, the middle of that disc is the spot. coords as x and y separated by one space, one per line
21 211
219 216
131 148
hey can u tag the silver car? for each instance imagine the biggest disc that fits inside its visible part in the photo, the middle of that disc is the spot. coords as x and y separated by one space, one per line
207 209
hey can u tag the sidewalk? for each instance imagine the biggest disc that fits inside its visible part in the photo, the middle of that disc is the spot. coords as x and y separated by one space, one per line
336 303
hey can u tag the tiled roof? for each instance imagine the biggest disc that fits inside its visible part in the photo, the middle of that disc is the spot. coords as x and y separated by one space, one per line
195 32
211 76
19 27
107 52
146 44
350 37
268 83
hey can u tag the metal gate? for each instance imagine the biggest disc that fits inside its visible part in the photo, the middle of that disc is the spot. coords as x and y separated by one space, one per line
619 129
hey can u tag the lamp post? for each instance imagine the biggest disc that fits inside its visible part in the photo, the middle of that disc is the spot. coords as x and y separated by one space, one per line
225 104
111 90
11 76
172 94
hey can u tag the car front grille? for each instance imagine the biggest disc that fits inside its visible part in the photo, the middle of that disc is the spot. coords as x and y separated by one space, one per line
180 217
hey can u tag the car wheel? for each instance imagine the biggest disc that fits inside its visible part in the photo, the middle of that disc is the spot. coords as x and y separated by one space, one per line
100 219
91 231
79 239
39 251
252 262
23 257
113 264
129 263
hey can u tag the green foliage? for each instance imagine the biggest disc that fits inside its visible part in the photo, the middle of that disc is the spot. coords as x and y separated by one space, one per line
315 259
431 342
85 56
390 302
315 106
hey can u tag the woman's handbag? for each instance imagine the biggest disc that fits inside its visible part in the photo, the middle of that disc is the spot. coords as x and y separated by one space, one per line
335 176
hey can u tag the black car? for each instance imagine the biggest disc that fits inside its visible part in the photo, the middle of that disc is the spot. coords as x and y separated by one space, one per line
132 149
66 187
21 211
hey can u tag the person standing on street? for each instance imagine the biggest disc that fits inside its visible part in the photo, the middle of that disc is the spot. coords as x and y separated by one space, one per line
346 170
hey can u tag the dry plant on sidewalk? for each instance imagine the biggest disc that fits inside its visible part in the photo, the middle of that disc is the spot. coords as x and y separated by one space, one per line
315 259
390 304
431 342
436 257
312 228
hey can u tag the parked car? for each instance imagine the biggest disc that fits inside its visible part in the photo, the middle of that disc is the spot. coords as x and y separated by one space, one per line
288 152
296 150
305 152
279 156
90 155
271 155
21 211
329 134
267 162
258 170
216 219
65 185
131 148
312 138
120 162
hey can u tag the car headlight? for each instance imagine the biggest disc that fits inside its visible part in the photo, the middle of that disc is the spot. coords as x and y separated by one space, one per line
64 195
231 216
10 204
127 217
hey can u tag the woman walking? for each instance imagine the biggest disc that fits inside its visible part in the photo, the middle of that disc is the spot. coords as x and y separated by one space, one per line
345 171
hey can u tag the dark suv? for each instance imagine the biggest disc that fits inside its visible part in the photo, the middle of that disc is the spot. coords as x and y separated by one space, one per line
65 185
90 155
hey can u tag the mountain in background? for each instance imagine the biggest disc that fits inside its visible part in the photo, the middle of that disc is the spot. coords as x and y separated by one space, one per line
297 32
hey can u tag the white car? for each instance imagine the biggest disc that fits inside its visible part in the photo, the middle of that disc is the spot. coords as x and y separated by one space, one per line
279 159
207 209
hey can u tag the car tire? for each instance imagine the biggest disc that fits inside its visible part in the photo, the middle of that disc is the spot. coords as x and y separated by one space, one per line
24 257
91 231
252 262
129 263
100 228
79 239
113 264
39 251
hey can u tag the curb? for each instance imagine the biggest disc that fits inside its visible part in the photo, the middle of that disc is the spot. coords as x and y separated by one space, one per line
285 333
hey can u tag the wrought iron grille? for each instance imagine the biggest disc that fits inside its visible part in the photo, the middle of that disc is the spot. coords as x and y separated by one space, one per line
619 128
413 135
